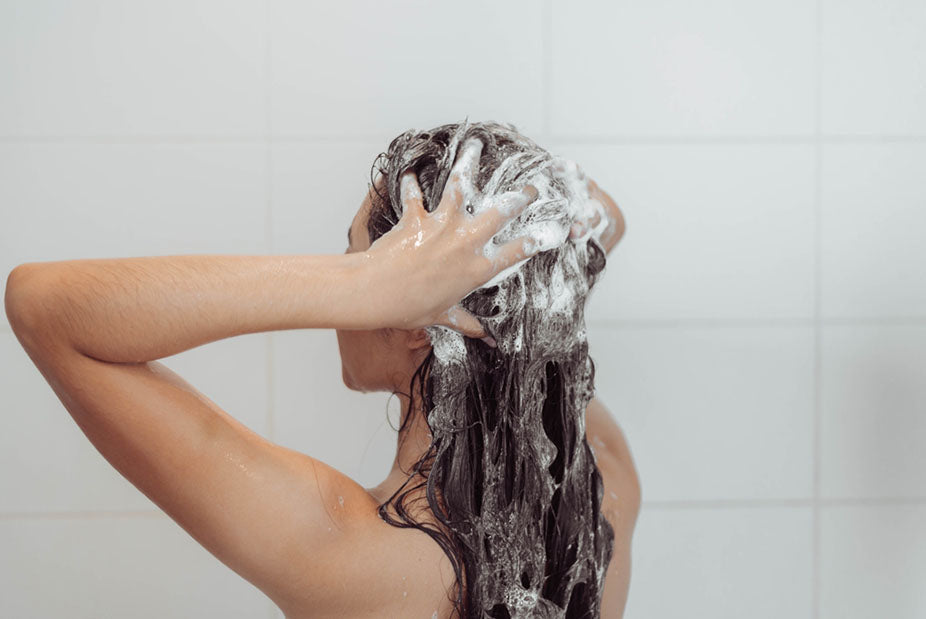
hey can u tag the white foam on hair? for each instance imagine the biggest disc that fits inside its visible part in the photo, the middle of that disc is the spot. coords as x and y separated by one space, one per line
509 543
548 221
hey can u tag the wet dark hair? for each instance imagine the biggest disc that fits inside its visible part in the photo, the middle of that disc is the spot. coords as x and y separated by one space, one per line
509 474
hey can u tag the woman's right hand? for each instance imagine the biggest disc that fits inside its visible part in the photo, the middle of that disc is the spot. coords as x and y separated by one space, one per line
429 261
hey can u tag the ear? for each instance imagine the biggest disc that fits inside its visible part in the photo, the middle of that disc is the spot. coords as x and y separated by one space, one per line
417 338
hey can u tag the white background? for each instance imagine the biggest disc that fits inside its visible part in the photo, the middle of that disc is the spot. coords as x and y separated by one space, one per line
760 333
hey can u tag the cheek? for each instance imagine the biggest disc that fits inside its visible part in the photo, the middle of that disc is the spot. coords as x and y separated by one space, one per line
362 356
351 342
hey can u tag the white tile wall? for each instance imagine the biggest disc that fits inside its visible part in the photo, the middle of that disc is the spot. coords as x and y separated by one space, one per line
106 68
874 411
380 68
873 561
716 231
727 563
712 413
675 68
143 566
758 333
317 190
874 78
872 249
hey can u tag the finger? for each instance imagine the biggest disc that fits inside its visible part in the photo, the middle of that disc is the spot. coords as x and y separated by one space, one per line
511 203
506 206
564 166
577 230
462 176
527 246
412 199
463 322
596 218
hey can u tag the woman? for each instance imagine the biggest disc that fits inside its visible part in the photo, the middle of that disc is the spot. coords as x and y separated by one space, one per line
311 538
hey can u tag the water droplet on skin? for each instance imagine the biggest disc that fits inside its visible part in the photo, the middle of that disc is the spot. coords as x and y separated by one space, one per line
341 501
613 496
237 460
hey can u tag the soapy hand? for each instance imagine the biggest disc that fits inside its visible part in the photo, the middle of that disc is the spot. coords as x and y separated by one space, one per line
428 262
599 217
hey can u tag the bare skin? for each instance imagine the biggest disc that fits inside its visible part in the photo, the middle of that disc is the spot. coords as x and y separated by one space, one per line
301 531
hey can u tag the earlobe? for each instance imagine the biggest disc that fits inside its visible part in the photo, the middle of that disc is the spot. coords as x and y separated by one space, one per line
418 338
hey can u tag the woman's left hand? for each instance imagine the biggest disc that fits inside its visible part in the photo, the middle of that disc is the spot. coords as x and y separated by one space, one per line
428 262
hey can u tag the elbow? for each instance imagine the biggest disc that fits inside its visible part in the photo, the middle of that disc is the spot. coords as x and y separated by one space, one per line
620 223
15 296
22 301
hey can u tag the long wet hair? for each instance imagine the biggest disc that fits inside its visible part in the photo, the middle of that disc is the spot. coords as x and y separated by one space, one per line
509 473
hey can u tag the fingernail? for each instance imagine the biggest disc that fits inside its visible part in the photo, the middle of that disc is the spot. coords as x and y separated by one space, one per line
490 341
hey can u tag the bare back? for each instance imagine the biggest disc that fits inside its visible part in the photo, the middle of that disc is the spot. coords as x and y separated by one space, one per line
393 572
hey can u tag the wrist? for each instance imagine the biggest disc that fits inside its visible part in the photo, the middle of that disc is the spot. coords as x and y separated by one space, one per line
361 298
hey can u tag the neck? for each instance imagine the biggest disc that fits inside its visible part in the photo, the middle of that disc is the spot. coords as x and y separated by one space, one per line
415 439
412 443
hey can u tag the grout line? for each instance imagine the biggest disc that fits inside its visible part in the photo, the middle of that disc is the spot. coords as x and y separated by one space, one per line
883 320
815 503
546 55
727 323
746 139
171 139
268 111
816 559
671 140
134 139
871 502
725 503
268 72
82 514
681 323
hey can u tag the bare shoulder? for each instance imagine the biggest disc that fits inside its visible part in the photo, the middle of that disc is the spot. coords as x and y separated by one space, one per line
380 570
605 434
620 503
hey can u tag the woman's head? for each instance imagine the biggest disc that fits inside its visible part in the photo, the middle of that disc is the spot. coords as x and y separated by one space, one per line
509 474
376 360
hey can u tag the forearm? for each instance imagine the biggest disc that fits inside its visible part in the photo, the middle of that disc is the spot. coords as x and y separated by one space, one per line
141 309
612 234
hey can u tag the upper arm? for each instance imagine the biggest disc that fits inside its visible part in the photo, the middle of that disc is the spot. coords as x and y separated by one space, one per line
622 492
271 514
620 503
605 434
